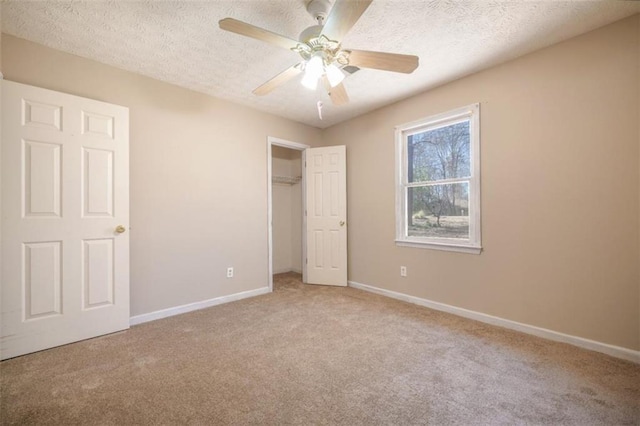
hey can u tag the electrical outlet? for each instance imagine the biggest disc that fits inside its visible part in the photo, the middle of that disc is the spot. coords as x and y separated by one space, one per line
230 272
403 271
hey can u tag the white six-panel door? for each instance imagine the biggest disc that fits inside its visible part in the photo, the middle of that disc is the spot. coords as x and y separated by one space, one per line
326 193
65 219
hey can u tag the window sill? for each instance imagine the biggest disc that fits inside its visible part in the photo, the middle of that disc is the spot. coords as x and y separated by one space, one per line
440 246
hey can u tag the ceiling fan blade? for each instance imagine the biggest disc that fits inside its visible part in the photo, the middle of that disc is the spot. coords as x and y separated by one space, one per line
343 15
278 80
242 28
383 61
338 94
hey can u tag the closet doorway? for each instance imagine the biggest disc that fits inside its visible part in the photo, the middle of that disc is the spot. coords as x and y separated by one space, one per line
286 195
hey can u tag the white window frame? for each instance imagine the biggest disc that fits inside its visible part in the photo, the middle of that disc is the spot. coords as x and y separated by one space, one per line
473 244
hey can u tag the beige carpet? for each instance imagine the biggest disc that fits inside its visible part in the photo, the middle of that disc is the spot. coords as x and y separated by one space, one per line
318 355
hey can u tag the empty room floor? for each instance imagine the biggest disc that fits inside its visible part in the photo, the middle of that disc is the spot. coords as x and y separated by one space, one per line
318 355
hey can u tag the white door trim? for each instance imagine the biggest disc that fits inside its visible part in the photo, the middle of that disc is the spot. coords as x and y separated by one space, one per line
271 141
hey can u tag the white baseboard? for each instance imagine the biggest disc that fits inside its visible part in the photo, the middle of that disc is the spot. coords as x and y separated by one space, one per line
177 310
616 351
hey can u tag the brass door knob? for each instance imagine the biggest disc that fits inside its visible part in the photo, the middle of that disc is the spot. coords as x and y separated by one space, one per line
120 229
342 223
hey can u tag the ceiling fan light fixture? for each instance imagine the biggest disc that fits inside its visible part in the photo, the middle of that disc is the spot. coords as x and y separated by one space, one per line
310 81
315 66
313 70
334 75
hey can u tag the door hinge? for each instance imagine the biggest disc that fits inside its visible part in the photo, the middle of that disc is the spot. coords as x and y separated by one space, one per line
306 261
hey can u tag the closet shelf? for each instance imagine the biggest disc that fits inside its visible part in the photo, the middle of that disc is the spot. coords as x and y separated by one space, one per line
287 180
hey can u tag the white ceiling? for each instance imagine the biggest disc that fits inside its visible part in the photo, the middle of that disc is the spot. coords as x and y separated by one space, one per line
179 42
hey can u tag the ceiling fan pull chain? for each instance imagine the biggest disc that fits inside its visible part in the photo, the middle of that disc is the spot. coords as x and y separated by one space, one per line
319 104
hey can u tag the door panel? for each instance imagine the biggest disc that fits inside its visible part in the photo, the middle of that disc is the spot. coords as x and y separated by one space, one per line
42 279
97 180
41 187
65 271
97 274
326 216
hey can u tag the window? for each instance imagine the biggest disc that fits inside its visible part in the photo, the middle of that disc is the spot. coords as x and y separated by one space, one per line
438 181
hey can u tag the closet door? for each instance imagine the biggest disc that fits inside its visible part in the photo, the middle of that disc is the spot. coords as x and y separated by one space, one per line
326 195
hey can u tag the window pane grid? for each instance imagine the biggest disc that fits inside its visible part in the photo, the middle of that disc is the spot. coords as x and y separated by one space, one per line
438 184
438 125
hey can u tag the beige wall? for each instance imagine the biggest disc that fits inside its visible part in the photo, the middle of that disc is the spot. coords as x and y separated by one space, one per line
198 176
1 39
560 186
296 214
1 70
287 212
560 191
281 216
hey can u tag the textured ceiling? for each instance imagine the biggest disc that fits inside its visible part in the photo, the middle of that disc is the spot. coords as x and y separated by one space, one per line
179 42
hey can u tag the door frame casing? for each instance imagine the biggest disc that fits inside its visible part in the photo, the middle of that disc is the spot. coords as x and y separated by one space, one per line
273 141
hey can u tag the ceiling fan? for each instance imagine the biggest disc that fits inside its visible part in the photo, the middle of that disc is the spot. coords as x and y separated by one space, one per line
323 57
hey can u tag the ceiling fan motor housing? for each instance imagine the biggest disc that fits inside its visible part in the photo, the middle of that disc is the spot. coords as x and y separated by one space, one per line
310 33
319 9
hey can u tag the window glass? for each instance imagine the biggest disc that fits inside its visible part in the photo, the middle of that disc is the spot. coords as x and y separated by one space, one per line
441 153
439 211
438 186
